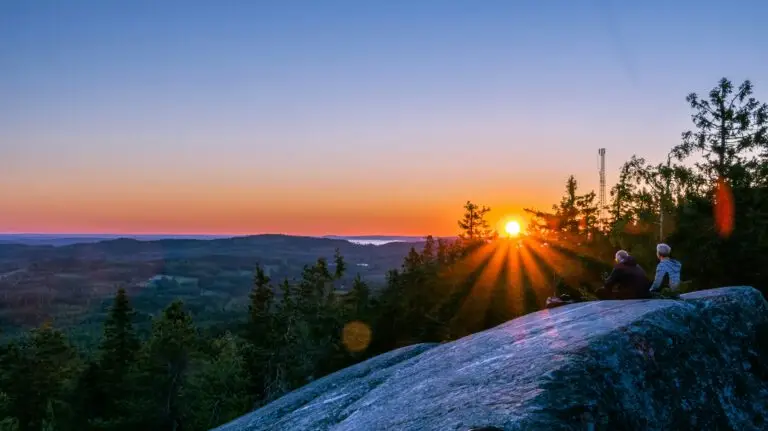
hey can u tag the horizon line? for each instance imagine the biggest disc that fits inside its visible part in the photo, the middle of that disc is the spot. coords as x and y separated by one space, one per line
220 235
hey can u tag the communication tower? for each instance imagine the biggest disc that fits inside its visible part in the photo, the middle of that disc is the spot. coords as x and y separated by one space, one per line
601 196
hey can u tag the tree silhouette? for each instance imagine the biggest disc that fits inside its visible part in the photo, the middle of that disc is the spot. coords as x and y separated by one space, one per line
728 123
473 225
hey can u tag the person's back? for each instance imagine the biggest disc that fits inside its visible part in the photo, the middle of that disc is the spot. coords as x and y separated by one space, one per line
633 282
629 277
667 271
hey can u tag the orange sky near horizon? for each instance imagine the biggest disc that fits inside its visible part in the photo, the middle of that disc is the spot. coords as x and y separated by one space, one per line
237 210
155 196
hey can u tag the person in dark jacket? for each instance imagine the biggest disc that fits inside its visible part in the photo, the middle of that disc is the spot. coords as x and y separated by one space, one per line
629 277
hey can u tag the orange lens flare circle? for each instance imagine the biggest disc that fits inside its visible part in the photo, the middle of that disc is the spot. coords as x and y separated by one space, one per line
356 336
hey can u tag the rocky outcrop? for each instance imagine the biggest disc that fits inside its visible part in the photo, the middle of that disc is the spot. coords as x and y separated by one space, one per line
700 363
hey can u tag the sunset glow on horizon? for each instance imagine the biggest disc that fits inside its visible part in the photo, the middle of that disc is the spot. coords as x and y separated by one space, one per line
251 214
341 118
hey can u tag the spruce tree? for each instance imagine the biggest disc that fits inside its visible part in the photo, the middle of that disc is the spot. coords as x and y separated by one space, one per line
216 390
119 345
259 332
473 225
567 211
341 266
286 289
167 355
37 374
261 298
428 253
360 296
119 351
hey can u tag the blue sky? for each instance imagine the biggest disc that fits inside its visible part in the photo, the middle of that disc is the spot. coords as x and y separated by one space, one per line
342 108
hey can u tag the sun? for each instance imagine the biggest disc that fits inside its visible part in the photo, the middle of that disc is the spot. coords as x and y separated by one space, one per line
512 228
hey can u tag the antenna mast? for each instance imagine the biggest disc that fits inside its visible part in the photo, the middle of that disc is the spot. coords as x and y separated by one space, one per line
601 196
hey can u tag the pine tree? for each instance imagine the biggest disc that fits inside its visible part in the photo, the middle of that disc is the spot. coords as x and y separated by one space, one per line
621 210
90 400
473 225
119 345
287 291
38 374
278 366
106 386
167 355
588 214
412 262
261 297
341 266
428 254
361 295
728 125
259 331
316 286
442 251
216 390
566 210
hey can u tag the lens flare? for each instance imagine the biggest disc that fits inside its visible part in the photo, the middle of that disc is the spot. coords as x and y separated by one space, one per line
724 209
356 336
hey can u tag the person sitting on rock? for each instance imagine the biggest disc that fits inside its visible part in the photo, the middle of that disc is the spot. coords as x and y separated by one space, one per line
628 276
667 271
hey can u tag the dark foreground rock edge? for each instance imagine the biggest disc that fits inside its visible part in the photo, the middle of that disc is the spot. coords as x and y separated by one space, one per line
649 364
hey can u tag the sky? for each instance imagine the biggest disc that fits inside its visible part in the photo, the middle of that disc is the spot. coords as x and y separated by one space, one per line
342 117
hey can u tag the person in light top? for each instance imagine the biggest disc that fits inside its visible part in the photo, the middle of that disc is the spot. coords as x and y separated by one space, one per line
667 271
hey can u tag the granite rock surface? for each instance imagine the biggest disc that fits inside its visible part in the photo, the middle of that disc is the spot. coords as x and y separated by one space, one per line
696 363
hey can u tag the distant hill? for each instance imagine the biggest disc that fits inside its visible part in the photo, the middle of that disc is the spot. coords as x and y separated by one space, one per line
55 241
69 239
270 246
47 277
